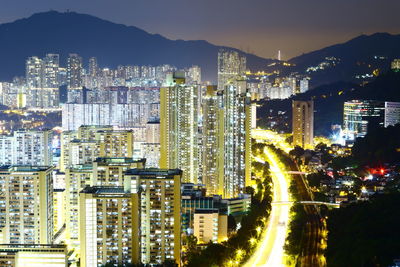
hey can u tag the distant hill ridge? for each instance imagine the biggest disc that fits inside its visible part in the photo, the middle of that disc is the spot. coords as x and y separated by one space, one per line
113 44
117 44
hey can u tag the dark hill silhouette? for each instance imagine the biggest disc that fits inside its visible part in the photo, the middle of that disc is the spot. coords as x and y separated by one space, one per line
360 55
113 44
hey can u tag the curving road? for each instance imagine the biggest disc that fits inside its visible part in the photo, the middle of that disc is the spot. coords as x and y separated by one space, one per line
270 251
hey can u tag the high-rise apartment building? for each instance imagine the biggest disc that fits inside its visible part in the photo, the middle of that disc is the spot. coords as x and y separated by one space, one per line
159 206
109 226
74 72
76 178
179 127
75 79
231 65
357 114
26 216
122 115
233 126
303 123
93 67
210 142
26 148
33 148
111 171
392 113
42 81
304 85
234 138
90 142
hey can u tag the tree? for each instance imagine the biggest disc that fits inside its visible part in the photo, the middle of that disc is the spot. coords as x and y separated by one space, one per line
231 223
297 152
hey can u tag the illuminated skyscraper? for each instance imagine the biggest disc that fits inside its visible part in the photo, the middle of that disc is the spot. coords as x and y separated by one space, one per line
234 125
159 206
303 123
76 178
392 113
231 65
210 142
42 82
26 148
74 72
193 75
234 140
109 226
357 114
34 73
179 127
93 67
91 142
111 171
304 84
74 79
26 216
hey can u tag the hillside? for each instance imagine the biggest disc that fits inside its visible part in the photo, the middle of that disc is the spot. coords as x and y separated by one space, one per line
113 44
343 62
329 99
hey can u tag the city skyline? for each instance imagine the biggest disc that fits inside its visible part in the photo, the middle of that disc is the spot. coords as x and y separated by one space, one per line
121 147
269 32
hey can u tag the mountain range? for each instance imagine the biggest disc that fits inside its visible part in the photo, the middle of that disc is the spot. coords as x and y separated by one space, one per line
112 44
116 44
347 61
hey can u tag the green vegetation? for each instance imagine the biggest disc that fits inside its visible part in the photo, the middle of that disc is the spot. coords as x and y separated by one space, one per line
294 240
240 246
365 234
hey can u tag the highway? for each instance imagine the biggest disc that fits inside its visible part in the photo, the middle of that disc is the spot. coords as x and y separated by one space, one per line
269 251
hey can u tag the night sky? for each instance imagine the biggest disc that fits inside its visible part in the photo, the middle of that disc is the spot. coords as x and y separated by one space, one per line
258 26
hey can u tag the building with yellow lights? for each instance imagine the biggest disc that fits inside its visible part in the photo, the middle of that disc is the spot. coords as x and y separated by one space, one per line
179 127
27 201
210 226
159 206
90 142
303 123
33 255
109 226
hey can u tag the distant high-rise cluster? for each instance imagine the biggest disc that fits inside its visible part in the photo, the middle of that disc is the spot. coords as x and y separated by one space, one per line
358 115
278 88
42 83
145 156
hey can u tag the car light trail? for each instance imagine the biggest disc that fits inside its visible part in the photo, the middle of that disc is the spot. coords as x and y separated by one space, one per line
270 248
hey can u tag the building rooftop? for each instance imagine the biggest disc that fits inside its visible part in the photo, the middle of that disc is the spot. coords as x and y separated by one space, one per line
24 168
104 190
114 160
154 172
206 211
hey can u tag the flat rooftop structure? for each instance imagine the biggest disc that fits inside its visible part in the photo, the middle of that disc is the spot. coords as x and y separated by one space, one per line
154 172
118 160
98 190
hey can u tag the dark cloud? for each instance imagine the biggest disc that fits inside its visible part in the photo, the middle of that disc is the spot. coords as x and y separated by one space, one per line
260 26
